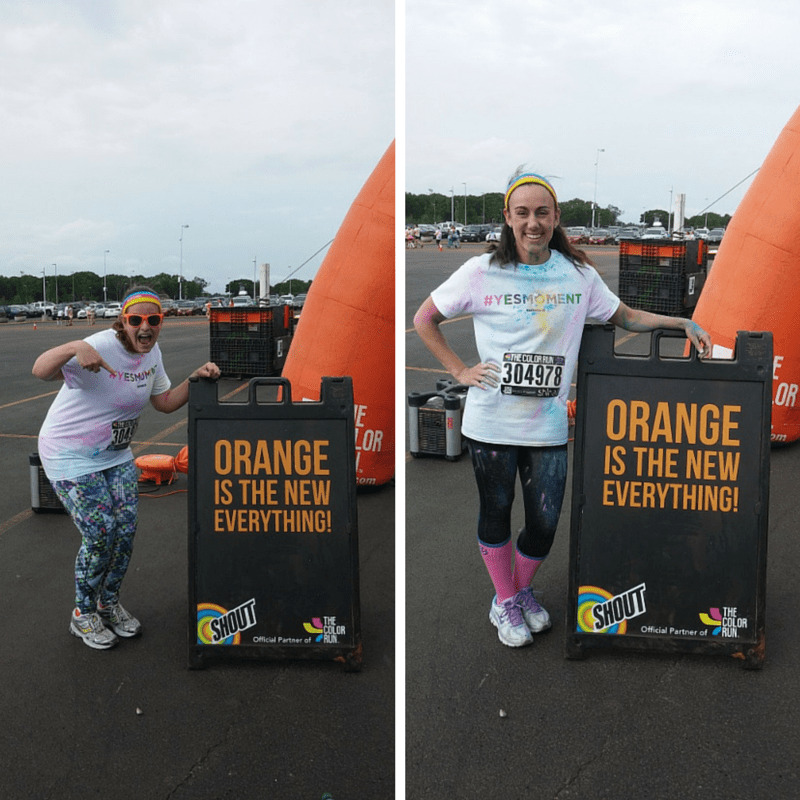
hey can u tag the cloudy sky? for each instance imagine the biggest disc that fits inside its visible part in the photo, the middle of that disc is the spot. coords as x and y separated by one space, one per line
254 123
683 98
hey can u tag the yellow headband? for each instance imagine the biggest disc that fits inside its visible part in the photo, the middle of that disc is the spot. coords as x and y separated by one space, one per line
140 297
529 177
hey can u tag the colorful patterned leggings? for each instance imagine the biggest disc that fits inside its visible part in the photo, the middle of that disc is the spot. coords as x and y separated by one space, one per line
104 508
543 476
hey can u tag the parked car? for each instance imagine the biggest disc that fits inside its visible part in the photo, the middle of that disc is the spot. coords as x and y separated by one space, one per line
601 236
112 310
656 232
472 233
242 300
184 308
715 235
17 311
427 231
701 233
494 234
577 234
45 307
628 233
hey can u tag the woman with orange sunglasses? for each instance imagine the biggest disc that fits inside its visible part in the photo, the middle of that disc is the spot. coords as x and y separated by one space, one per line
84 447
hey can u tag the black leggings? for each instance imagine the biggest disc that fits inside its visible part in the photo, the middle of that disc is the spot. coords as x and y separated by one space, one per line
543 476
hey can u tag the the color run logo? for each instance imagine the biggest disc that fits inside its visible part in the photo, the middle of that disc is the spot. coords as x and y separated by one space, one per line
326 629
601 612
724 621
216 625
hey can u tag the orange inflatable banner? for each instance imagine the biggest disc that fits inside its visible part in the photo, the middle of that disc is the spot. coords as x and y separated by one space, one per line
346 326
753 282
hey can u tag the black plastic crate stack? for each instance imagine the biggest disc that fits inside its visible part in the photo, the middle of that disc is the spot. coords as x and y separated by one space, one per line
662 277
251 341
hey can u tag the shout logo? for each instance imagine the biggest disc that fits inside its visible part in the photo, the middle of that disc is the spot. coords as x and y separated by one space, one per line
601 612
215 625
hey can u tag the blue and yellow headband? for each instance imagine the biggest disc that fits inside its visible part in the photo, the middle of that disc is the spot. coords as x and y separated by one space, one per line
140 297
529 177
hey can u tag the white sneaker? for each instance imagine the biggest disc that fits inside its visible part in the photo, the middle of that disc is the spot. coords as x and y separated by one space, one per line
89 628
507 618
122 622
536 617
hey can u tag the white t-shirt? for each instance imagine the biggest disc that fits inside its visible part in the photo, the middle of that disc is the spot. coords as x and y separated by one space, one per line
528 319
91 423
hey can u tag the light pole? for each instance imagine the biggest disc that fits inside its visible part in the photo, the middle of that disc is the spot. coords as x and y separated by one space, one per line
433 200
105 290
452 205
465 203
669 215
255 293
55 269
44 284
596 163
180 276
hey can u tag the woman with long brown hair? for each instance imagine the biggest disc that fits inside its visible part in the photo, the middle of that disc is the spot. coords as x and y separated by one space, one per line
529 297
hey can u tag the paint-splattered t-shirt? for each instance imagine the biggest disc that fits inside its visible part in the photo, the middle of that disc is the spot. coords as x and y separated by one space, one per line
528 319
91 422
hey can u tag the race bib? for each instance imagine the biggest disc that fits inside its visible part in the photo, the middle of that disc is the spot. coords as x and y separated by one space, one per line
122 433
532 374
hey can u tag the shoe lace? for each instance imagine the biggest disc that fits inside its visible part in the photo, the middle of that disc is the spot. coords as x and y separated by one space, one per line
527 601
116 612
95 623
512 612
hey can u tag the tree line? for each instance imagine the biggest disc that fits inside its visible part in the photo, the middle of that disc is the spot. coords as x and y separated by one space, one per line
88 286
488 209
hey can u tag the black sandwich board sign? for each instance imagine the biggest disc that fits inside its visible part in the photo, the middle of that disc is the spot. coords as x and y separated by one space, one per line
273 538
668 536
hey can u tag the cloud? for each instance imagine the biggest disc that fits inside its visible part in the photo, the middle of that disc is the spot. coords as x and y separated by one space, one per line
141 117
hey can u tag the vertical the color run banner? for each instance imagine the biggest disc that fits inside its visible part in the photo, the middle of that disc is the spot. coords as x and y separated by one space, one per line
670 499
273 528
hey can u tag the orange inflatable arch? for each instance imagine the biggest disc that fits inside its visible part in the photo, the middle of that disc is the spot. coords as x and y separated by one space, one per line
347 323
753 282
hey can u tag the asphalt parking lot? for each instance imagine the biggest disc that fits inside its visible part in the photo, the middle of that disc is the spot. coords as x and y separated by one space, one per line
134 722
483 720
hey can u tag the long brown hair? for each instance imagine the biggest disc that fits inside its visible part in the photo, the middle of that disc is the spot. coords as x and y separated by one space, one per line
504 252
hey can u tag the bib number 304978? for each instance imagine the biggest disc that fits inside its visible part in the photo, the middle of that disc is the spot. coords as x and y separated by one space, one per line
532 374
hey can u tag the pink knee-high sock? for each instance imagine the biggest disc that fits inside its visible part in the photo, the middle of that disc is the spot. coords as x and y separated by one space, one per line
524 570
498 562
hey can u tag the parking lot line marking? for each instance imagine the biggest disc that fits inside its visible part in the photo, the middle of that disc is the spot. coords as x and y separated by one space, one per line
10 523
28 399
